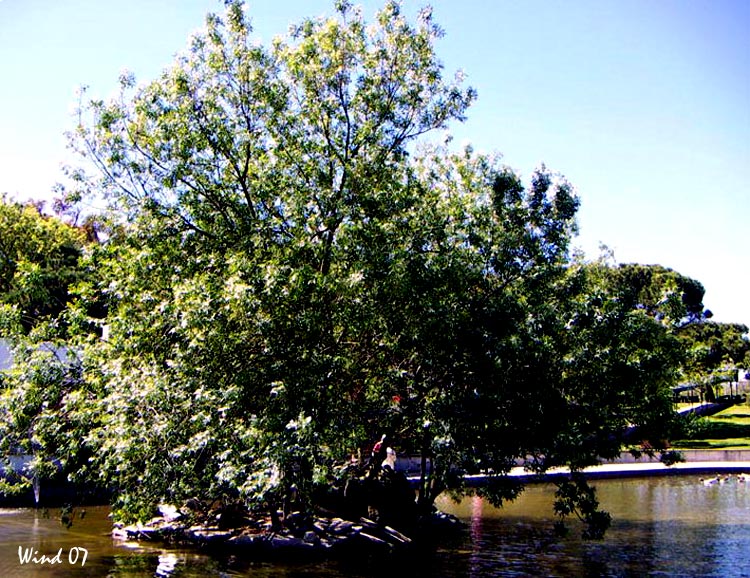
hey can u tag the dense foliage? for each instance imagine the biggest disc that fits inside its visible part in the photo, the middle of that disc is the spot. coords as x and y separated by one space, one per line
715 346
713 351
665 294
39 266
38 262
294 275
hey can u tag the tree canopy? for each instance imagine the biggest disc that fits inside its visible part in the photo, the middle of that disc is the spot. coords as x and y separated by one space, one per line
298 272
38 262
714 347
663 293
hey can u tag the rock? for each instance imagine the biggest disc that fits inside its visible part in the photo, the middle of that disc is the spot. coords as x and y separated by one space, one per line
193 504
311 537
398 536
209 535
172 527
169 512
246 539
278 542
340 527
140 532
325 544
301 532
297 518
374 540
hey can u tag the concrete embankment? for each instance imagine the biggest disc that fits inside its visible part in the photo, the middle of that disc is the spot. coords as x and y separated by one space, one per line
694 456
630 470
697 462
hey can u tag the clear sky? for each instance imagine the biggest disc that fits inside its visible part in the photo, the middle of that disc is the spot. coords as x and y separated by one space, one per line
643 105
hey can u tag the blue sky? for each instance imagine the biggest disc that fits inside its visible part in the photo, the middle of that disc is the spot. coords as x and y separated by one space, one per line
644 106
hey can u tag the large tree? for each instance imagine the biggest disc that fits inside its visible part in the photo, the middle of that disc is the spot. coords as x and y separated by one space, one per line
296 277
264 190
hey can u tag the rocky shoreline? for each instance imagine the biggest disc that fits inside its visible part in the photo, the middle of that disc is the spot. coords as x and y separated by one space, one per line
300 533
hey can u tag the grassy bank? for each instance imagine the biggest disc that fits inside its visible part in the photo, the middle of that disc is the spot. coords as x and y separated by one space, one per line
728 429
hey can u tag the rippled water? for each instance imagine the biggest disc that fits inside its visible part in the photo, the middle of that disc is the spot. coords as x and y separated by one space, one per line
662 527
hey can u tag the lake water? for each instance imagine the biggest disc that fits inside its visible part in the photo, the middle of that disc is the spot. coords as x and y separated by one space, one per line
673 526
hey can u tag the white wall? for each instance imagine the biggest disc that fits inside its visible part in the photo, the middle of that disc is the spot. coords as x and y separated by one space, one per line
6 357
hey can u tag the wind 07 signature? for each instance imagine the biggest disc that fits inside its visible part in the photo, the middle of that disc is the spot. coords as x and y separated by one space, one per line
75 556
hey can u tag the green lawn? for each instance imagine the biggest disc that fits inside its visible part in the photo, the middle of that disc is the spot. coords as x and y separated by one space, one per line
729 429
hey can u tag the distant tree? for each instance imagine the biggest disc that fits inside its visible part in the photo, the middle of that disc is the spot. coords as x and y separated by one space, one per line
638 346
713 344
38 263
663 293
676 301
715 352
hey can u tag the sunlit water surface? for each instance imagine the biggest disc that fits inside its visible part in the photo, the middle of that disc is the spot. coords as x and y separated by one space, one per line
671 526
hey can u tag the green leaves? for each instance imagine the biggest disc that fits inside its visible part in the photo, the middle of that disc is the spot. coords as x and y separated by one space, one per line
38 262
576 497
264 190
40 417
289 273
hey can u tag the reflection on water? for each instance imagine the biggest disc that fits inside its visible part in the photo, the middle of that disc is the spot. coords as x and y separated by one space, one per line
662 527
